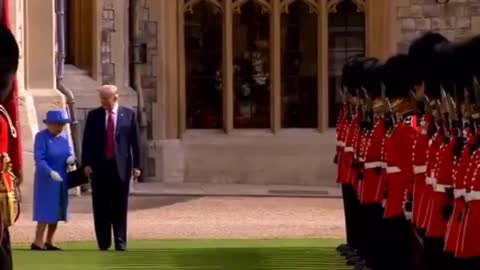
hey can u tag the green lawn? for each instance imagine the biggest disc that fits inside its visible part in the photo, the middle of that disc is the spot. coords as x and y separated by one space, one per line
183 254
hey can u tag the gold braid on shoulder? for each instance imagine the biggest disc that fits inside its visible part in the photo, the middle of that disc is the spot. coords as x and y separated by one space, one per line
13 130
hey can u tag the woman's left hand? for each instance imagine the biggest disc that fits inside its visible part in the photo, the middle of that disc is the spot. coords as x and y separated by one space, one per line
71 160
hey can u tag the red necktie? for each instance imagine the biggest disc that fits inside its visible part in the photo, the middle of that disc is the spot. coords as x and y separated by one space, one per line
110 145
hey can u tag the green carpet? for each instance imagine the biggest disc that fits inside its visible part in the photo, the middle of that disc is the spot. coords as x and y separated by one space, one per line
195 255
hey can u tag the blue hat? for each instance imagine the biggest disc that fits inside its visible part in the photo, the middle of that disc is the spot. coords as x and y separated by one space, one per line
57 117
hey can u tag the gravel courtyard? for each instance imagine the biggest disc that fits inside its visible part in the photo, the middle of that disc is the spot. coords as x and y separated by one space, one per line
205 218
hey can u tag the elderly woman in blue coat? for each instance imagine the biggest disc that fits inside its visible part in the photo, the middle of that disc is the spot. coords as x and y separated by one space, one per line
53 154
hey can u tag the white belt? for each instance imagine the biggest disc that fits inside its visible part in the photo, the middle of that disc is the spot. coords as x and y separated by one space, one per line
472 196
442 188
420 169
393 169
430 180
348 149
384 165
340 143
458 193
373 164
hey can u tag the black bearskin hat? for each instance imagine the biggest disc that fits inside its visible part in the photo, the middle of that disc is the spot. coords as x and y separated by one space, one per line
452 69
372 77
9 56
397 76
423 61
350 73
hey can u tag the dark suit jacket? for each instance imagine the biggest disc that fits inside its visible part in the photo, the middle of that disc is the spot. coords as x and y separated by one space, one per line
127 141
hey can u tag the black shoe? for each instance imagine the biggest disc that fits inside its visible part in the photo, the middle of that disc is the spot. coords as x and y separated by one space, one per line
354 260
50 247
36 248
341 247
120 249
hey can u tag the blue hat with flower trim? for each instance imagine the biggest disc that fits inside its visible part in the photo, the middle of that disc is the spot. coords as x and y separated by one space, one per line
57 117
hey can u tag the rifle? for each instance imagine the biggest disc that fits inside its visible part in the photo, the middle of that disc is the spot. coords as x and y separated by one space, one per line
476 114
445 112
390 119
368 105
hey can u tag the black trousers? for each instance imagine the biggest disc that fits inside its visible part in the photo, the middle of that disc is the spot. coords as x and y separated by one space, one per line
416 239
397 252
110 206
6 252
465 264
370 220
349 205
435 258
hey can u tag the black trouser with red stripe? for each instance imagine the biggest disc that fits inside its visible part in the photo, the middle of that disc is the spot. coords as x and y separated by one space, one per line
5 252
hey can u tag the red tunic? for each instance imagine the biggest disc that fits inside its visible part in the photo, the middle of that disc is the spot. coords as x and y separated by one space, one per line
359 145
420 165
398 156
341 132
382 181
11 104
436 224
373 164
459 205
469 246
432 151
348 152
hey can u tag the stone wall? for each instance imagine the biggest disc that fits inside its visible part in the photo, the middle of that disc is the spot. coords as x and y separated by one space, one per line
456 20
108 27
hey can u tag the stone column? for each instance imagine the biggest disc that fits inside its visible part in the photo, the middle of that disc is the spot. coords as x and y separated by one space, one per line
166 149
41 94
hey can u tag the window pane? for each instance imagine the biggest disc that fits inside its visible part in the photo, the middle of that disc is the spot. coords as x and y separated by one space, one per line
346 38
203 67
251 80
299 67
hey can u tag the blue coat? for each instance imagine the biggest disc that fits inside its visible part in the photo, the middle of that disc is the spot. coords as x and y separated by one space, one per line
50 198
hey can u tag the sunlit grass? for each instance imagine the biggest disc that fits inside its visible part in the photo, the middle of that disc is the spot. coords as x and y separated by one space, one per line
184 254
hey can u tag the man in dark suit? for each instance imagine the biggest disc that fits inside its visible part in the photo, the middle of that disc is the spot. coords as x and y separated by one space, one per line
111 157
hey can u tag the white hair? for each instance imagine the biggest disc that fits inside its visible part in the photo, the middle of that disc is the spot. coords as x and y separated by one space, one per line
108 89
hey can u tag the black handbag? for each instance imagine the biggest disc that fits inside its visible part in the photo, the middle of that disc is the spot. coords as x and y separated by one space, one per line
76 177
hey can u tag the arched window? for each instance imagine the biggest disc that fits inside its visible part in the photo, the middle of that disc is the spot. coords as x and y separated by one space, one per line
346 35
203 65
251 60
299 35
270 64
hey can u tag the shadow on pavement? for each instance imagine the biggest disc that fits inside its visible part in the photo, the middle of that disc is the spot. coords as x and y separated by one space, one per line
83 205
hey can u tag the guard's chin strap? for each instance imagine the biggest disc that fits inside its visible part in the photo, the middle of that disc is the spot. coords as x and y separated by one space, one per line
13 130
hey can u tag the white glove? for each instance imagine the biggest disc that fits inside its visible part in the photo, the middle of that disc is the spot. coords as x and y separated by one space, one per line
56 176
71 160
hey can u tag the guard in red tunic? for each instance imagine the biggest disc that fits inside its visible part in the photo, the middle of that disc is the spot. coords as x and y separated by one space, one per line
9 136
348 124
398 253
371 209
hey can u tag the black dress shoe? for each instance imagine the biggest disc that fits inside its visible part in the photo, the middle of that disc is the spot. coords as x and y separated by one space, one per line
51 247
120 249
354 260
36 248
341 247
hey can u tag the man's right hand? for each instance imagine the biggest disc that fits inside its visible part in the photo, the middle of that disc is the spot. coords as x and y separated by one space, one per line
88 171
